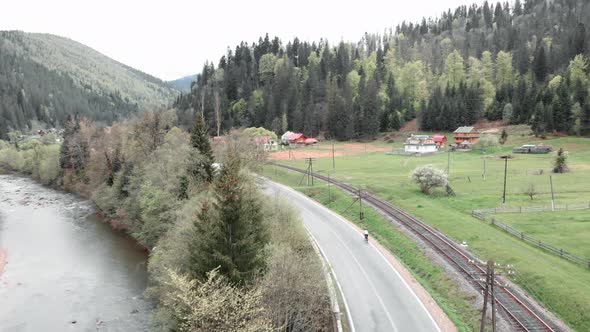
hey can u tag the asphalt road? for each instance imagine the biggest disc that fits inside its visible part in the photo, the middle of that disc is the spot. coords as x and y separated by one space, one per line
375 295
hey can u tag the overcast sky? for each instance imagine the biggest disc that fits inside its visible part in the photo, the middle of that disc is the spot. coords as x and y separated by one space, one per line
173 38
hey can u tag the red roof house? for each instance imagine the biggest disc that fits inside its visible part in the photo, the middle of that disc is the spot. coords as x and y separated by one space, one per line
440 140
299 138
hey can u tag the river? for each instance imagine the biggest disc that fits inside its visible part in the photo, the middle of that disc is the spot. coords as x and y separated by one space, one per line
66 269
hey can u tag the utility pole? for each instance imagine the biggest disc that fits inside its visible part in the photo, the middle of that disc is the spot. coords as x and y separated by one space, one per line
311 170
486 292
361 213
333 159
552 194
484 169
308 171
505 170
489 290
449 162
329 191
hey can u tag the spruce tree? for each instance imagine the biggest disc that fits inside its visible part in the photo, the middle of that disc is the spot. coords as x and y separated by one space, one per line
229 233
503 137
560 163
200 167
540 65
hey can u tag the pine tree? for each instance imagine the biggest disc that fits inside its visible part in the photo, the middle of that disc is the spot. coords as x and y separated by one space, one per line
202 159
229 233
503 137
540 65
560 163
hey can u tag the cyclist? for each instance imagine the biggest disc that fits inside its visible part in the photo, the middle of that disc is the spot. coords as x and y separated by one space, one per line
366 235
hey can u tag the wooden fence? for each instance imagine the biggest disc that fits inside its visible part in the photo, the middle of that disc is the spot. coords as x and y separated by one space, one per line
538 243
544 208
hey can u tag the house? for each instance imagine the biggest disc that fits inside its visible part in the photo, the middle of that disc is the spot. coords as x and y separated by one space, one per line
267 143
440 140
527 148
420 144
297 139
466 134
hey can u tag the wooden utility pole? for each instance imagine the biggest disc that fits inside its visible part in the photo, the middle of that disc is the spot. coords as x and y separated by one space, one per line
505 170
329 191
489 292
333 159
449 162
484 169
308 172
552 194
311 169
361 213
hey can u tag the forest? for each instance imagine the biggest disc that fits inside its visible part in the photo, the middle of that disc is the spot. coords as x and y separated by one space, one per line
519 63
44 78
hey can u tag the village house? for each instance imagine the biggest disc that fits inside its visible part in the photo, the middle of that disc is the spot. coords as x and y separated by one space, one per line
465 136
440 140
420 144
297 139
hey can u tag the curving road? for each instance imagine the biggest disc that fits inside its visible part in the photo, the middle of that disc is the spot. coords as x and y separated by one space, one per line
375 295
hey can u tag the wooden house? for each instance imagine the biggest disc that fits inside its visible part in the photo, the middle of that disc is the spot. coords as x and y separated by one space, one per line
466 134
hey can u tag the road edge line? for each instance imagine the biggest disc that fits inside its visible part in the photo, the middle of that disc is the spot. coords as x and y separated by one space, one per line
329 274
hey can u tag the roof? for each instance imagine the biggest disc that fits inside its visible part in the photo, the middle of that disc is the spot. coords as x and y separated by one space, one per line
295 136
465 130
310 141
439 138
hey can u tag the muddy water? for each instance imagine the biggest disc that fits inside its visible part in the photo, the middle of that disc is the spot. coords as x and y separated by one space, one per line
65 270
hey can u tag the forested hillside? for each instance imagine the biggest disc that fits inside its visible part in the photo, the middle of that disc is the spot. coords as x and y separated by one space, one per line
184 83
43 78
525 62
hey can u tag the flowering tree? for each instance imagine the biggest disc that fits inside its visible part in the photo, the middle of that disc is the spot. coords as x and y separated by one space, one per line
428 178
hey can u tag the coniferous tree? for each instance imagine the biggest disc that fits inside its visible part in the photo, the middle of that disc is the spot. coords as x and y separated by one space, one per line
200 166
540 64
560 163
229 233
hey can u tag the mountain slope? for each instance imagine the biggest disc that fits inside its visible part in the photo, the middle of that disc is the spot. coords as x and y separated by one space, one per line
43 78
522 63
184 83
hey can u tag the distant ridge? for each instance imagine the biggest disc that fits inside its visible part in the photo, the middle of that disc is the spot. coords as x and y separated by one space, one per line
184 83
44 77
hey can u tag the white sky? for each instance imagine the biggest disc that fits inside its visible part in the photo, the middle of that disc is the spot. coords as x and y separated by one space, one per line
173 38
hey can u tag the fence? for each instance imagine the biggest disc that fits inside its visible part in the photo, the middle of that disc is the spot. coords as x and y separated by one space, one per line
538 243
524 209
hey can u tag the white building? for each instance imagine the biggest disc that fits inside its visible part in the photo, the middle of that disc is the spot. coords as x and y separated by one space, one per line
420 144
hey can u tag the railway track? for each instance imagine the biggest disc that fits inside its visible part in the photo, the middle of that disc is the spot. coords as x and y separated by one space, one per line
516 309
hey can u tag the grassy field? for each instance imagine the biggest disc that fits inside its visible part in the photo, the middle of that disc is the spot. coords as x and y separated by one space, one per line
569 230
562 287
